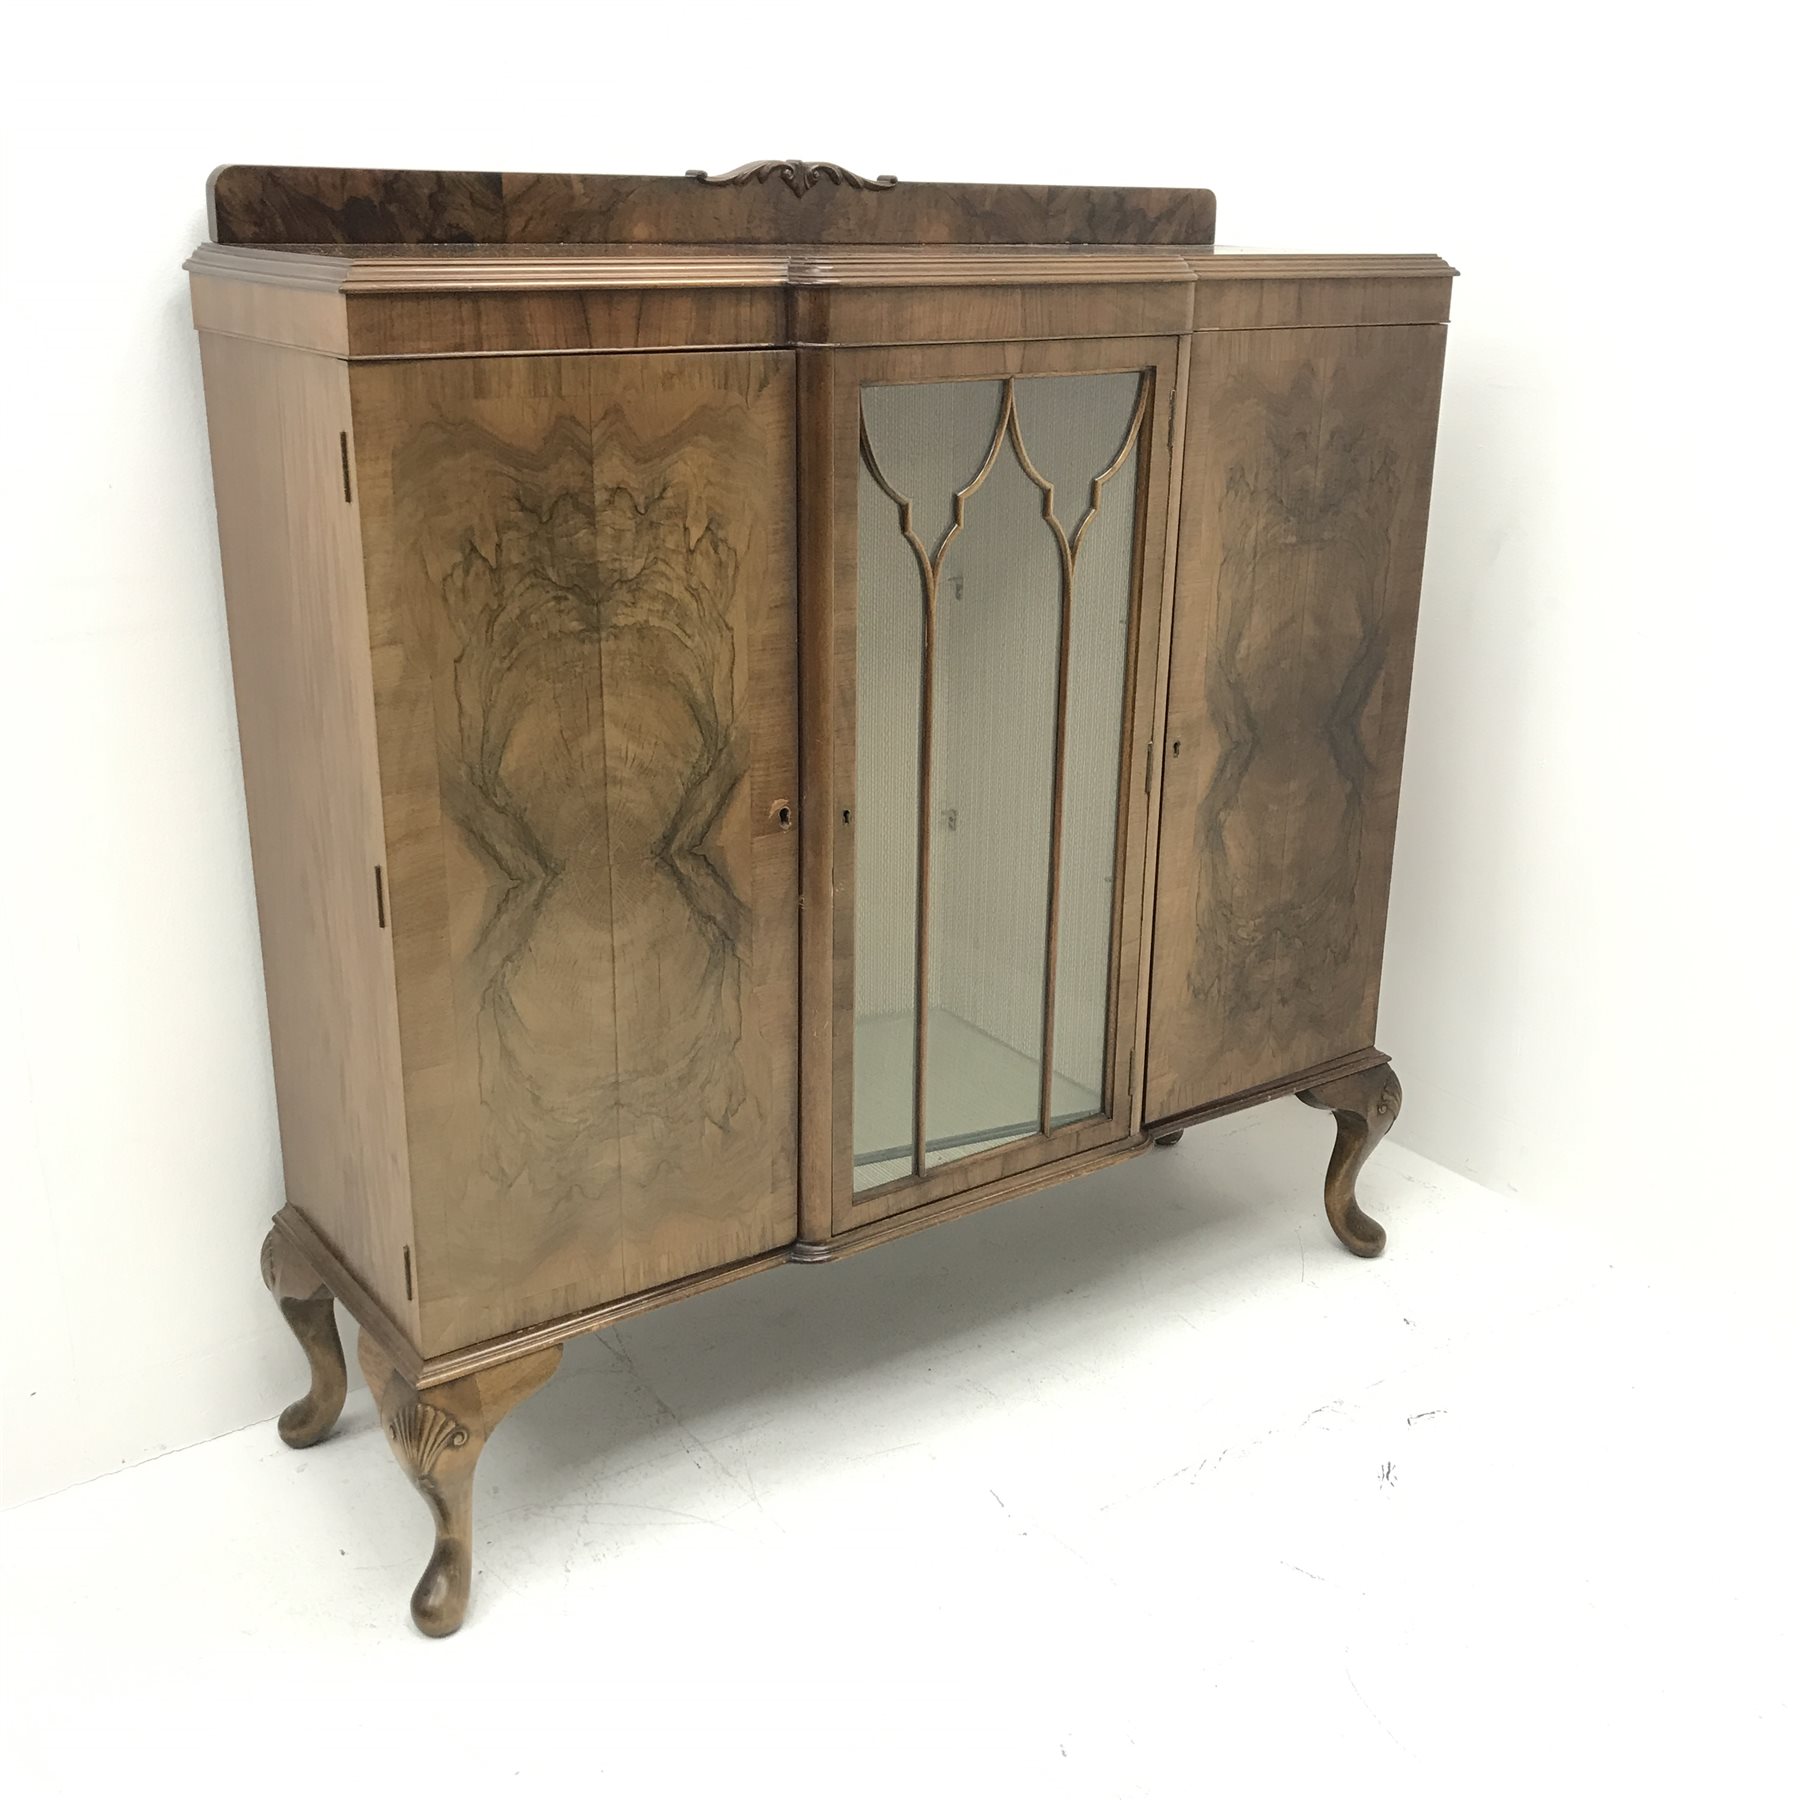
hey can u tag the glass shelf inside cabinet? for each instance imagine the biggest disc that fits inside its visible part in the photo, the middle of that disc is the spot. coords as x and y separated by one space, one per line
996 543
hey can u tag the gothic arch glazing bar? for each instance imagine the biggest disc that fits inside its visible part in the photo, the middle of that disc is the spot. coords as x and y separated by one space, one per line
1008 687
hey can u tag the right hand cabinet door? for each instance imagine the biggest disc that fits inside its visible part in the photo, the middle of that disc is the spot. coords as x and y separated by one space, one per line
1306 479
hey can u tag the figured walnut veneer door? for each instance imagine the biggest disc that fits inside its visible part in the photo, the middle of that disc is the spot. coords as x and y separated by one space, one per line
581 595
1307 471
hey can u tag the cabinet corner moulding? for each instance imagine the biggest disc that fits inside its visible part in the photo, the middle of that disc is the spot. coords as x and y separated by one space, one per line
918 721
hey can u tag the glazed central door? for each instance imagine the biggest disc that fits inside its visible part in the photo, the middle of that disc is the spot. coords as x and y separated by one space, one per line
1000 554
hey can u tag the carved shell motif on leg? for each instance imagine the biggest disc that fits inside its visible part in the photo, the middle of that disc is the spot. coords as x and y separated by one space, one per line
421 1433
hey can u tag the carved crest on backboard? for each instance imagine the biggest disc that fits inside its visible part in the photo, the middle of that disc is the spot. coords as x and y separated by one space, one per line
800 176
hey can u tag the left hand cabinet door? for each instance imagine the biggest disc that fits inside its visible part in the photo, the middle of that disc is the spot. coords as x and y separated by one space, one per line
581 597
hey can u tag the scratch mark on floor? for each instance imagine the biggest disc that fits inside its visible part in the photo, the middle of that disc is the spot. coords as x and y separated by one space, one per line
1188 1471
1373 1714
702 1456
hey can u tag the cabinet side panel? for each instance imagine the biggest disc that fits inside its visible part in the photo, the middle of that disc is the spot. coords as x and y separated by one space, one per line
583 633
1307 474
300 661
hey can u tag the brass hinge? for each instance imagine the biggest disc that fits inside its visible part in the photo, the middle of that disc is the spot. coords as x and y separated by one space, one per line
1149 764
344 459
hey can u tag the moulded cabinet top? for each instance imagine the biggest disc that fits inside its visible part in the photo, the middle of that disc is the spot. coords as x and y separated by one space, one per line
470 268
379 263
402 268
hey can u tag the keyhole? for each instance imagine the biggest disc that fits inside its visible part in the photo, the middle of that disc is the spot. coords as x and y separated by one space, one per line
1175 748
784 816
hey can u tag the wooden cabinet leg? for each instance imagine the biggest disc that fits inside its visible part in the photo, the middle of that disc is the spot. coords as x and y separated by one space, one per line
1366 1105
437 1435
305 1303
1168 1140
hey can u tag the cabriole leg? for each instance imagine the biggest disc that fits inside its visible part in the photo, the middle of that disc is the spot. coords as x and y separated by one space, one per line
437 1435
305 1303
1366 1105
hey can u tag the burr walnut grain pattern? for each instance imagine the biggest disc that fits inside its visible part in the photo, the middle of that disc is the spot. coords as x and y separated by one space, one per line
1307 474
258 204
582 624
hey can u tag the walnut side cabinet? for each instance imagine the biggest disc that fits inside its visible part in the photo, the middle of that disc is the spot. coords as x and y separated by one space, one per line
778 708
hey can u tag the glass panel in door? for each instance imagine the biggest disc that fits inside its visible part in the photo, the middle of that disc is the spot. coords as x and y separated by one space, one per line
996 552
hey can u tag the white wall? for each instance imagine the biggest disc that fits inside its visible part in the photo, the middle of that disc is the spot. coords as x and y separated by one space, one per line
1590 996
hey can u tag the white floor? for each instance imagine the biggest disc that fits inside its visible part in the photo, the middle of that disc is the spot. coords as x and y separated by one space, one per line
1136 1487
